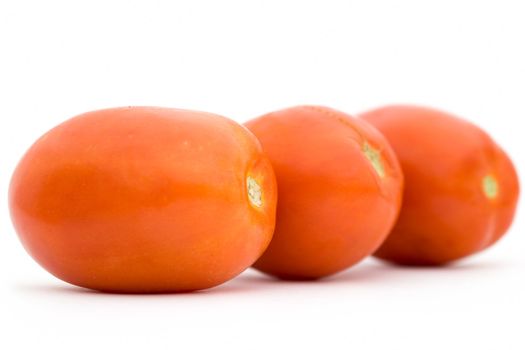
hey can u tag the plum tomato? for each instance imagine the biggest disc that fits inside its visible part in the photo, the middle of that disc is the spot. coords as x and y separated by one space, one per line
145 199
461 188
339 186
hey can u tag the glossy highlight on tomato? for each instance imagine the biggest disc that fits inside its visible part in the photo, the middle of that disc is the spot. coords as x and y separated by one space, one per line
461 189
144 199
339 186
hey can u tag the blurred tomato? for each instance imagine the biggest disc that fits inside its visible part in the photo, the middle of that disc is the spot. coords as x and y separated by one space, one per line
339 187
461 189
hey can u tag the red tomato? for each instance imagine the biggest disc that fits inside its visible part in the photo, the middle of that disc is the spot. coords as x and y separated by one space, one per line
339 187
461 189
145 199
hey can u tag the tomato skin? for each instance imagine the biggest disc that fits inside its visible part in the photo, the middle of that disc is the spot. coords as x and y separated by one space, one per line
447 211
144 199
333 207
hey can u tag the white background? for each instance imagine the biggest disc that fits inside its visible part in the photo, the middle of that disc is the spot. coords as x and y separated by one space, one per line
241 59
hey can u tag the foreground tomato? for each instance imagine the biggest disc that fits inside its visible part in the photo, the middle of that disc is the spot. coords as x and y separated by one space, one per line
339 189
145 200
460 187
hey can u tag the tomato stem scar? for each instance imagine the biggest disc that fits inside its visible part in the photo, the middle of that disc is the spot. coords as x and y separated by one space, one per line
490 186
374 156
254 191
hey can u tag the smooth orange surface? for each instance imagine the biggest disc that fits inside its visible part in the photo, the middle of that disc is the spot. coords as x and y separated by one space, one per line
461 189
334 208
144 199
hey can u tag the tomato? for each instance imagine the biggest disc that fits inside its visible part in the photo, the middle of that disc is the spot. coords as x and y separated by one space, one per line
339 186
144 199
461 189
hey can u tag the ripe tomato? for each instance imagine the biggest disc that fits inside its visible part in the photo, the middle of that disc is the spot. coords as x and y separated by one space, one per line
145 199
339 187
461 189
